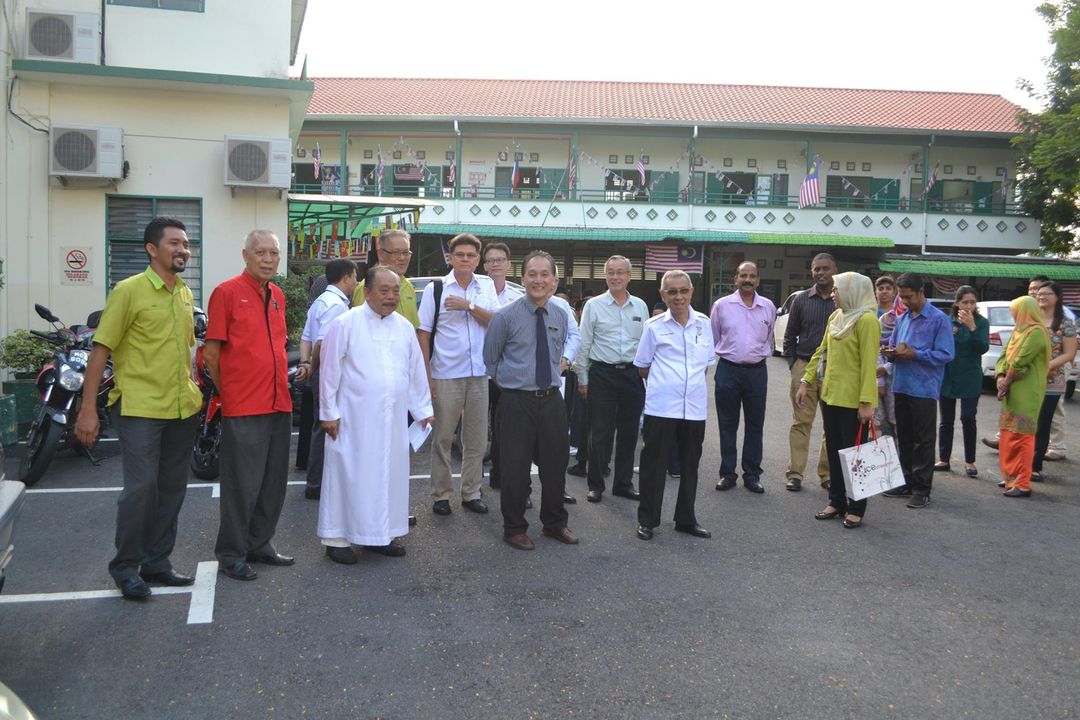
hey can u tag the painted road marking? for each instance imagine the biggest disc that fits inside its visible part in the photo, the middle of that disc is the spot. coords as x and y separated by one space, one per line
200 611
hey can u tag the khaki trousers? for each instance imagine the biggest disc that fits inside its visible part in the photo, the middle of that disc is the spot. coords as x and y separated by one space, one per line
464 399
802 421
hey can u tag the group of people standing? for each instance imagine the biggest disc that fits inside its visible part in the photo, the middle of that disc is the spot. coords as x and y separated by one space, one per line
477 350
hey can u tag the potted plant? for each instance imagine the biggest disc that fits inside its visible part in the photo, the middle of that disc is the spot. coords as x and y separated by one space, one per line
23 354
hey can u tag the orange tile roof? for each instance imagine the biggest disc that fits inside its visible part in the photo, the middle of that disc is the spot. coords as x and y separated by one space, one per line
733 105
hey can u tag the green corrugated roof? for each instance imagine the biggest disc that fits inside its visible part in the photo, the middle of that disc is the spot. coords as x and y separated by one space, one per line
1019 270
638 235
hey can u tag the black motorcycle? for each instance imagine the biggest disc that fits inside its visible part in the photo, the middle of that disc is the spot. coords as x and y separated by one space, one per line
60 384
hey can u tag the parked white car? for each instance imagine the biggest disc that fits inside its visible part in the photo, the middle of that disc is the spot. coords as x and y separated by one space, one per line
781 323
1001 327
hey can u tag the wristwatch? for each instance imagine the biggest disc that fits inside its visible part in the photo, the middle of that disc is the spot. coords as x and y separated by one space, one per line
472 306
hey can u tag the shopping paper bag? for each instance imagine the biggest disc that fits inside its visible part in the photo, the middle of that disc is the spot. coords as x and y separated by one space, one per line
871 467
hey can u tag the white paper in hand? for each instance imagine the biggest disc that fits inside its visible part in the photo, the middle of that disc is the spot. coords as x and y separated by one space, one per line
418 434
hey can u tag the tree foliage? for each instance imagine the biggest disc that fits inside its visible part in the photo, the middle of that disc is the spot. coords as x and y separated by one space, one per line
1049 163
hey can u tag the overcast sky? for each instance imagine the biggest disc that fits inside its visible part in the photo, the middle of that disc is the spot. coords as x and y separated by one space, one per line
959 45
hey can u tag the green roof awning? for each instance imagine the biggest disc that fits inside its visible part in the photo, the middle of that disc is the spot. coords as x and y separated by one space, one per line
322 209
974 268
639 235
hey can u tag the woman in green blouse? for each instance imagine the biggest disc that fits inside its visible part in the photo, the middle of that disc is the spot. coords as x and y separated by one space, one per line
1021 384
849 393
963 379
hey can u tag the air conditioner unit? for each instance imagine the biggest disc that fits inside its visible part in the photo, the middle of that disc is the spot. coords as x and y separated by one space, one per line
258 162
63 36
86 151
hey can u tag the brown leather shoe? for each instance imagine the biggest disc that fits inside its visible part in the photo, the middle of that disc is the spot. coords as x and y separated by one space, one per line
562 534
521 541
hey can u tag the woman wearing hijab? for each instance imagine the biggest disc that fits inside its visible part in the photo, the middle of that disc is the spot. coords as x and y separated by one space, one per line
963 379
1021 384
845 364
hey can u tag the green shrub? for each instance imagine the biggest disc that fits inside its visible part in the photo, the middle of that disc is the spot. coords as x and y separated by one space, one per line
22 352
296 301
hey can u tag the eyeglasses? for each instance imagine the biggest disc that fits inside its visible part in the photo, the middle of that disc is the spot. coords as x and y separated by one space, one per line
465 256
495 261
397 253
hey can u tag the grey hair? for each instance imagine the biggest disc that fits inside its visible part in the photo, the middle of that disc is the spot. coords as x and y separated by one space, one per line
249 241
674 274
621 258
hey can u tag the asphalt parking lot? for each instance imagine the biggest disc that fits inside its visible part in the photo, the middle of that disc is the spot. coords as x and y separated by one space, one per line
965 609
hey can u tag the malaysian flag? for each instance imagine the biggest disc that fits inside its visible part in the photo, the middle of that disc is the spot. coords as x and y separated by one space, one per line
452 174
661 257
641 169
945 285
515 175
408 172
316 155
379 171
931 182
810 190
1005 184
1070 293
446 250
571 173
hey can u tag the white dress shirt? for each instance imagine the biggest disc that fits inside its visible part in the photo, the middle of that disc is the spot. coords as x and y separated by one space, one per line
459 337
330 304
677 358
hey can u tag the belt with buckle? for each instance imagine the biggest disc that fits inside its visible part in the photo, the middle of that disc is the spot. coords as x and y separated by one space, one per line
535 393
615 366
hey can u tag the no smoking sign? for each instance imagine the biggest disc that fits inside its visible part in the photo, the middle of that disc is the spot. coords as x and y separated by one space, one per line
76 268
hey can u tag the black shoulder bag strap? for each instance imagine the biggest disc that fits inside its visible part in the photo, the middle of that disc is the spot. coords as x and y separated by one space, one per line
438 285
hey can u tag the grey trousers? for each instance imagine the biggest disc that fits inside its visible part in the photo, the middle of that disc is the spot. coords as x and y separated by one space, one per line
254 477
318 438
155 455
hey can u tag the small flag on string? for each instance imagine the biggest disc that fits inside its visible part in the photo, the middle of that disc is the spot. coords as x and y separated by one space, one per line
810 190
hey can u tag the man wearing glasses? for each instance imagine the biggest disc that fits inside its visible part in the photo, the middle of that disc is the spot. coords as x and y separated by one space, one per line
457 372
394 252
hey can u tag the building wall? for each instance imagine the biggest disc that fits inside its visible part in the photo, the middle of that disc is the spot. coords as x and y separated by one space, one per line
174 142
232 37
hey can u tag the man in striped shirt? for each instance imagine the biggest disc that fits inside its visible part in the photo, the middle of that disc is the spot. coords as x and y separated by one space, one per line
807 319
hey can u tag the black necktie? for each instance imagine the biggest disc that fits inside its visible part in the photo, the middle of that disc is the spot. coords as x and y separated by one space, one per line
543 355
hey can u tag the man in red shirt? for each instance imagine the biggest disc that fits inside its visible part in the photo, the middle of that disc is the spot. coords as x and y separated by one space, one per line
245 354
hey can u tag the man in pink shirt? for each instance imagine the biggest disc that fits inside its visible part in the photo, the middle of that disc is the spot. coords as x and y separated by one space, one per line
742 325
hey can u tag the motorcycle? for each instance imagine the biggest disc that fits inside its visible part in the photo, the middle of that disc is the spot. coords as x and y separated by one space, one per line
206 452
60 384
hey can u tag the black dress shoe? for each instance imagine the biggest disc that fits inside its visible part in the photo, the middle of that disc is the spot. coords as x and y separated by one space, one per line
167 577
695 530
579 470
239 570
393 549
312 493
441 507
629 494
271 558
343 555
1016 493
753 486
412 520
794 484
569 499
477 506
725 484
134 588
594 496
902 491
644 533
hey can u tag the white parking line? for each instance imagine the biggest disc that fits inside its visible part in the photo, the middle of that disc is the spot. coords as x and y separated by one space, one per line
200 611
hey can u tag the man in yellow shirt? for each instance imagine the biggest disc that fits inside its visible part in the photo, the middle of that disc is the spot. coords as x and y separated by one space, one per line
148 328
395 253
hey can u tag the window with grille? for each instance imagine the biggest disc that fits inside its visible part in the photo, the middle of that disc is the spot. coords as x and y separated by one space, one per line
127 217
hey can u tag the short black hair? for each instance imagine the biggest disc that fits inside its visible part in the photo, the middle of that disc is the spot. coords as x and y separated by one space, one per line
464 239
501 246
1038 278
539 254
823 256
911 281
155 230
338 270
885 280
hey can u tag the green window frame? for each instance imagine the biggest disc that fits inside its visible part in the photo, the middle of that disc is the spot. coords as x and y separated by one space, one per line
126 216
182 5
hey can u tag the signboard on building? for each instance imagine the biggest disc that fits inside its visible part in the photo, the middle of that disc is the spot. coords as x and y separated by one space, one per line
76 267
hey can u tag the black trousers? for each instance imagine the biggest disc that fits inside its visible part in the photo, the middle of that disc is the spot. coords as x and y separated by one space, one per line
532 427
969 407
317 440
493 432
662 435
308 417
916 420
254 478
155 455
616 398
841 426
1042 434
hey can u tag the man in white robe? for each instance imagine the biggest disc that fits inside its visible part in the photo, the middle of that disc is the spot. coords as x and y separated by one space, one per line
371 374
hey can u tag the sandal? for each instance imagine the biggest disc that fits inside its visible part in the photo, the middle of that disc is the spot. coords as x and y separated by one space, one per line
970 471
850 524
828 513
942 467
